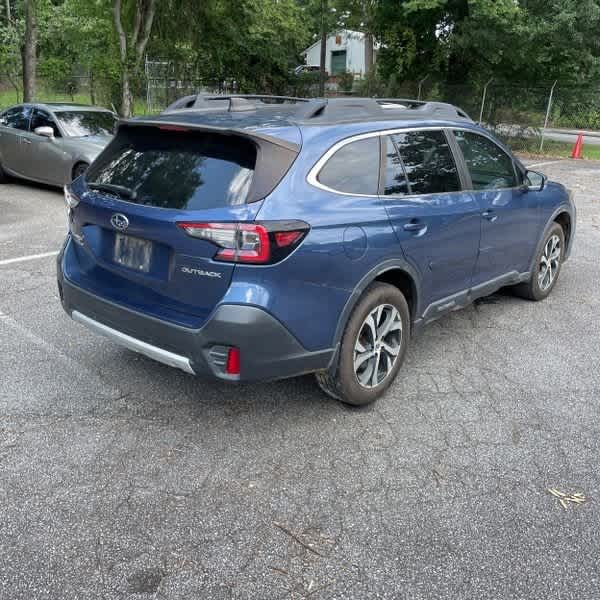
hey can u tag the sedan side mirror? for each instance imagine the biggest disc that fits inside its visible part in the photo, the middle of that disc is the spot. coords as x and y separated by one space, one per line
44 131
534 181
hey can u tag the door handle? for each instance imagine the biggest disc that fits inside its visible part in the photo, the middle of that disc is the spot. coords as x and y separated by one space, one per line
25 141
415 226
490 215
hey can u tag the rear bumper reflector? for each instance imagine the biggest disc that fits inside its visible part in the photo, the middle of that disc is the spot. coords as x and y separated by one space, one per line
154 352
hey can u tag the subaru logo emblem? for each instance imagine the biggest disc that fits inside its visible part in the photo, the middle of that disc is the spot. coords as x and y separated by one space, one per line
119 221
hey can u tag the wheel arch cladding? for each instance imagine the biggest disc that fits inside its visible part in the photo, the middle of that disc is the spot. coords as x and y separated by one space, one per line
405 283
564 220
395 273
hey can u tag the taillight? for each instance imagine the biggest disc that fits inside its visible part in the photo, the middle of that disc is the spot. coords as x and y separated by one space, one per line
232 367
253 243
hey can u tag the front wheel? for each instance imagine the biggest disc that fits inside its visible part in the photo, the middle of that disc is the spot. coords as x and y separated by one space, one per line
546 268
3 175
79 169
372 349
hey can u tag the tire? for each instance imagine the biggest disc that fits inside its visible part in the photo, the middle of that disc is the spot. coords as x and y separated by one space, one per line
542 280
382 304
3 175
79 169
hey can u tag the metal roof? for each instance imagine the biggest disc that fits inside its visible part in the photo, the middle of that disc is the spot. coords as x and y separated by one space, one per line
68 106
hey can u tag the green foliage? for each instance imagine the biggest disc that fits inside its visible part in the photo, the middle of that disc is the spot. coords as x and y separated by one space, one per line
253 45
345 81
371 85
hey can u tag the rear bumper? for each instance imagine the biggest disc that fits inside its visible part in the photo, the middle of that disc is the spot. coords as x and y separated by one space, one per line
267 349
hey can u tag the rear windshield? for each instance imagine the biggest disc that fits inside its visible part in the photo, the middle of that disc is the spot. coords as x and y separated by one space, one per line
181 170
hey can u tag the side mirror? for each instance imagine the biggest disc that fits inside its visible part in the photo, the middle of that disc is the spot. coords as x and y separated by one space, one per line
534 181
44 131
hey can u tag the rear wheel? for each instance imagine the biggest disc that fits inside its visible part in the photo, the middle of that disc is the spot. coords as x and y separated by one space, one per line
373 347
79 169
546 267
3 175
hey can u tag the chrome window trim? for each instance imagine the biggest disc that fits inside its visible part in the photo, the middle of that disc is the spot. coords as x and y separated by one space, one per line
313 174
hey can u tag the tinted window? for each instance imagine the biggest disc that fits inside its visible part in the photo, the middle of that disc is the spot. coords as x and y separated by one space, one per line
42 119
78 124
428 162
8 116
17 118
490 167
177 170
354 168
395 177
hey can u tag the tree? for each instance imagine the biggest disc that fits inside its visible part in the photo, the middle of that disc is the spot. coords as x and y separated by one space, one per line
29 51
361 16
132 46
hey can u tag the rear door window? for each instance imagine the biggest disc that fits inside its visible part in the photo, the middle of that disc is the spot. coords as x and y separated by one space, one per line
428 162
17 118
395 182
181 170
354 168
489 166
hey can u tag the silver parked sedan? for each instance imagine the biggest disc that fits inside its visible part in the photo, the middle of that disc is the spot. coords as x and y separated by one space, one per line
52 143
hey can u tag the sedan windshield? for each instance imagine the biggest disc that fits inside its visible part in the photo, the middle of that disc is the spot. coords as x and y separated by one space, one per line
84 123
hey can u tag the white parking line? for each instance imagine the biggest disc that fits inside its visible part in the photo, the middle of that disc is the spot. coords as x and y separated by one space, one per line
10 261
56 354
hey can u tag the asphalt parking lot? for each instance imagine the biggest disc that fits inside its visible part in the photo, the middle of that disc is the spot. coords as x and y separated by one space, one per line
123 478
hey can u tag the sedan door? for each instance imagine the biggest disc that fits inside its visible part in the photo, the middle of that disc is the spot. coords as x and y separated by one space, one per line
510 215
13 124
46 159
437 224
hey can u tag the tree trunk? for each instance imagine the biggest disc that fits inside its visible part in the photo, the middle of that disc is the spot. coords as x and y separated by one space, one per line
8 15
132 51
368 52
92 89
322 73
126 95
29 54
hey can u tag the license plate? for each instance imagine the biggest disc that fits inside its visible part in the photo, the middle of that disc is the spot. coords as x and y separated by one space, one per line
133 253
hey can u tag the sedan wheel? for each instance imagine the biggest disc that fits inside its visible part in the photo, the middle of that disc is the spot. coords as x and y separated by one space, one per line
79 169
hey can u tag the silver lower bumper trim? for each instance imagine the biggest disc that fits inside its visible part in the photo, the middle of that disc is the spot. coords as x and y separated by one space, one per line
154 352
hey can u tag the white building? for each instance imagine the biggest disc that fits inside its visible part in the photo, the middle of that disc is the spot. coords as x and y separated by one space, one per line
346 51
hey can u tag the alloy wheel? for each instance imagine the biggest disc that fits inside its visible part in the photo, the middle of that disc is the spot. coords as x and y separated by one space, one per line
377 345
549 263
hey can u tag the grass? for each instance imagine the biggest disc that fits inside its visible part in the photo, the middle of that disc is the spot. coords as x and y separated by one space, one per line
530 147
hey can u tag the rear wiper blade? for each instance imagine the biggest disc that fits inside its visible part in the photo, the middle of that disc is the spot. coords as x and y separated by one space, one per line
120 190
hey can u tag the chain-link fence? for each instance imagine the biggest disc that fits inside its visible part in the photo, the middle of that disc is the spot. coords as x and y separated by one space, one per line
540 119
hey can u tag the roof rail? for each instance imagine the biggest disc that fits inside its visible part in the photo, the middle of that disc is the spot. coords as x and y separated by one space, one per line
330 110
324 110
235 102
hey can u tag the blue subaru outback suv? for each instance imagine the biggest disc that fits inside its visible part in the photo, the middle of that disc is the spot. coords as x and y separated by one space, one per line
246 239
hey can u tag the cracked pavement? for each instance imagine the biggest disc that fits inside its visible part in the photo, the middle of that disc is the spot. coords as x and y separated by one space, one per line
123 478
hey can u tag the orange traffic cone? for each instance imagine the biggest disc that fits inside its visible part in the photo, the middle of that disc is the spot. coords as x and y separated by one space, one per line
578 147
